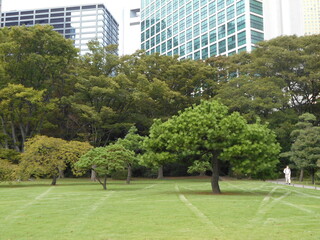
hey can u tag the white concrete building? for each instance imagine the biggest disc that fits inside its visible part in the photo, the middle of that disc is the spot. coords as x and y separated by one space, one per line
129 37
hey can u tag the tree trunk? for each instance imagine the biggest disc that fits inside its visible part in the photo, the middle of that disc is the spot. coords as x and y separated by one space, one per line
160 172
301 175
93 174
105 182
6 146
61 173
215 175
54 180
312 176
202 174
129 174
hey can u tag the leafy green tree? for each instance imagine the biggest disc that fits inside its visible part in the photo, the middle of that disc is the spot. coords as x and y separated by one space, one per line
105 160
36 57
305 149
156 154
293 59
132 141
209 129
23 113
48 156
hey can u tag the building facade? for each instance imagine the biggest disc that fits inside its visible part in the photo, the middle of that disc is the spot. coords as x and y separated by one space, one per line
79 23
311 16
199 29
130 27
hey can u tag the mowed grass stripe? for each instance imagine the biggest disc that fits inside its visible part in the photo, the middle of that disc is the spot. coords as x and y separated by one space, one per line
153 209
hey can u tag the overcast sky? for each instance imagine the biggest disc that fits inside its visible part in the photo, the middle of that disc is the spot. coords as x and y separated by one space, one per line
114 6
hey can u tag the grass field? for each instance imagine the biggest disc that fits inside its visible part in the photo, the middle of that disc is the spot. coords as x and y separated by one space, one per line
151 209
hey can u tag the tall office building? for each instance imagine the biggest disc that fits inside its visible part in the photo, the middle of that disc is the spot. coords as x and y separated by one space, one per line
79 23
199 29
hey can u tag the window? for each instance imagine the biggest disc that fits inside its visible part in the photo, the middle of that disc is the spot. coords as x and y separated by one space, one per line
204 13
213 36
221 17
212 21
213 50
163 47
169 44
196 17
241 38
230 12
220 4
158 39
188 8
197 55
196 30
189 47
163 35
212 8
241 23
231 27
189 21
256 7
204 40
204 53
240 7
203 2
182 25
256 36
176 51
256 22
231 42
222 46
204 26
182 37
229 2
196 44
182 50
195 5
189 34
222 31
181 12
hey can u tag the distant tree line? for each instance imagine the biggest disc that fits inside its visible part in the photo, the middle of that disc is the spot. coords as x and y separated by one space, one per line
151 109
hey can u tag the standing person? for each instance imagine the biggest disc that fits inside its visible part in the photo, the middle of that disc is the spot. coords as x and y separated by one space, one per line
287 174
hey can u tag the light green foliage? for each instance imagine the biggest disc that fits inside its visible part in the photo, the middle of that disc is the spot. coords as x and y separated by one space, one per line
199 167
47 156
105 160
133 142
8 171
23 113
208 128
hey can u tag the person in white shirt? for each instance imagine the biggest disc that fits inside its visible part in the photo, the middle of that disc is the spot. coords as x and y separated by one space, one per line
287 174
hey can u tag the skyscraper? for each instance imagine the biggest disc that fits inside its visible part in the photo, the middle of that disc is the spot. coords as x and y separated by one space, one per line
199 29
311 15
79 23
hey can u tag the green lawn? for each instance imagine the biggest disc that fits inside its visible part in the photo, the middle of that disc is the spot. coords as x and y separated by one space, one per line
152 209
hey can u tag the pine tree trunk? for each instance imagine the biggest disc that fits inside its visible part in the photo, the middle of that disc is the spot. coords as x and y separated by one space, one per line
129 174
93 174
301 175
160 172
215 175
105 182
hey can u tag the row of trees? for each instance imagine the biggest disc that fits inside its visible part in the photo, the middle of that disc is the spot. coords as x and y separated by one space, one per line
47 89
